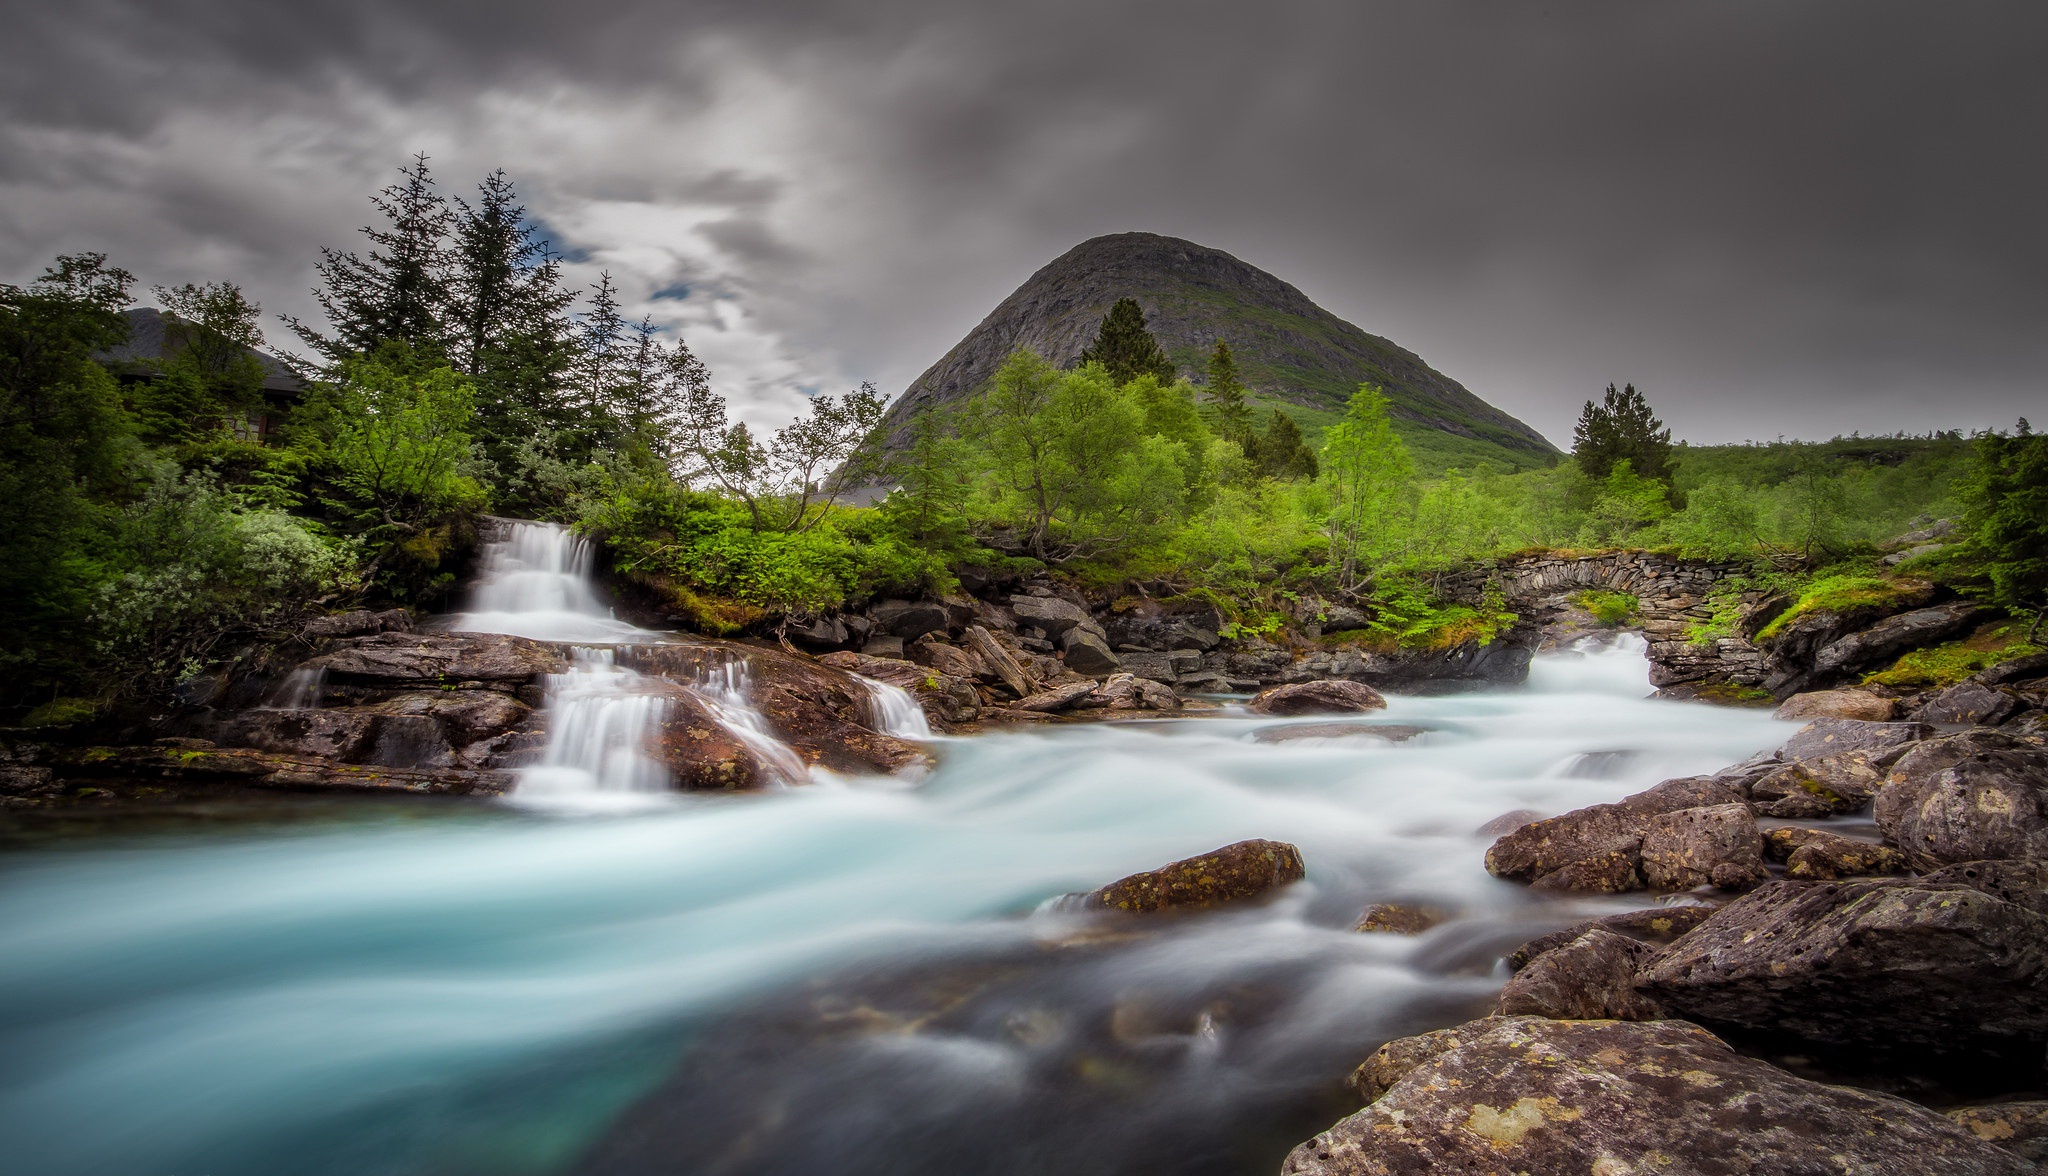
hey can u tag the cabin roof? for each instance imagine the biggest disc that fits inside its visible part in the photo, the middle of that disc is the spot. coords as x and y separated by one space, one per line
148 346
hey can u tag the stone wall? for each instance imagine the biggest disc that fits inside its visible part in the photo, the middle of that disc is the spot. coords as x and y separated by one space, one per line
1672 593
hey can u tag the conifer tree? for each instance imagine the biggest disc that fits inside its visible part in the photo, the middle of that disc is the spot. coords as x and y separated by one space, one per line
1226 398
1622 428
1126 348
402 290
1283 452
604 362
509 325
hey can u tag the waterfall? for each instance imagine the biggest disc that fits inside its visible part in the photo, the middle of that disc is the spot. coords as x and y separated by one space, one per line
602 718
536 583
723 690
301 689
892 710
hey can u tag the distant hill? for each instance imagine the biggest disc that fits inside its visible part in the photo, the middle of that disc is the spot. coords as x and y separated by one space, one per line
1289 349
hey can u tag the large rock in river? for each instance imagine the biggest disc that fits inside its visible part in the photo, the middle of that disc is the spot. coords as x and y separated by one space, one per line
1317 698
1914 967
1599 848
439 659
1978 795
1525 1096
1244 869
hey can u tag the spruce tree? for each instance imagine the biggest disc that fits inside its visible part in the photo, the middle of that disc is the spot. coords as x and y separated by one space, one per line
1283 453
508 323
1226 398
1622 428
1126 348
402 290
604 363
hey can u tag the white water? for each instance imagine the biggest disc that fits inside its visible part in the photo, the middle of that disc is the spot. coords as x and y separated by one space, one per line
301 689
459 990
892 710
602 717
536 583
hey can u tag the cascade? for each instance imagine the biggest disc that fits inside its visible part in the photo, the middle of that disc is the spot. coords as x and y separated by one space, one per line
601 716
301 689
892 710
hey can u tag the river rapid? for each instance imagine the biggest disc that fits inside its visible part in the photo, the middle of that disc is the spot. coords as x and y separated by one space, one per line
845 976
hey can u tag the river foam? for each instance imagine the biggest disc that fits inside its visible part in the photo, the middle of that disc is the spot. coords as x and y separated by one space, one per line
474 989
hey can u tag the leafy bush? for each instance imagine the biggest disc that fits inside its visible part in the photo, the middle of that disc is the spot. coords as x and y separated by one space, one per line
1609 608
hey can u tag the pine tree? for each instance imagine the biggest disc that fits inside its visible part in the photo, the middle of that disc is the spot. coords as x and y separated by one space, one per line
604 361
1126 348
1283 453
1226 398
402 291
509 322
1622 428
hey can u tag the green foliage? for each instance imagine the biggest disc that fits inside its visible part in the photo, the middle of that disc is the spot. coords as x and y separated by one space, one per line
1125 348
202 566
392 443
1282 451
1609 608
1622 428
1227 405
2006 495
1407 615
1947 664
1836 593
1371 478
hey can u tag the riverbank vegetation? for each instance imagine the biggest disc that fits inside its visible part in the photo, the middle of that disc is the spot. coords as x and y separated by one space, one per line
156 526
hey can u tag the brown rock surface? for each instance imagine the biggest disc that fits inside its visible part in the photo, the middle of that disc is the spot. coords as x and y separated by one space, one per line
1891 966
1591 978
1847 703
1244 869
2019 1127
1974 796
1717 845
1534 1097
438 658
1655 925
1329 696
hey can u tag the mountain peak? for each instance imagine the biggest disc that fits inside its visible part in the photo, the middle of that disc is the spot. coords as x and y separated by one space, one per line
1290 350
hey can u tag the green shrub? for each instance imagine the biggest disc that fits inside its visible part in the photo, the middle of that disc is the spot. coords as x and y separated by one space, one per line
1609 608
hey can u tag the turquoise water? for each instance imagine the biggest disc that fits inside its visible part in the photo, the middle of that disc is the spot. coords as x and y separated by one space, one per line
480 988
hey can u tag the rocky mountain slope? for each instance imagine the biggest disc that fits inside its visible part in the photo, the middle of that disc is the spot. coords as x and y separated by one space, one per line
1290 349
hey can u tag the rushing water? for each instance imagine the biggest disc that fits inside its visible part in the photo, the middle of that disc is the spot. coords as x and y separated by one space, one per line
775 983
846 977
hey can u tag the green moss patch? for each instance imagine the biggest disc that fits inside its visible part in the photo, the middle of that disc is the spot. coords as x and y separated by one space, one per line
1609 608
1837 594
1945 665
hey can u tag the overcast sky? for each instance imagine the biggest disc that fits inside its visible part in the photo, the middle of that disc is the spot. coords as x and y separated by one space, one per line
1773 217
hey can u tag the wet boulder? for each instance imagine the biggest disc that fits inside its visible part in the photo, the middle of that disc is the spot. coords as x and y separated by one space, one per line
1846 703
947 659
1317 698
1056 698
1399 918
1126 692
1085 652
360 622
820 633
1591 978
1886 640
1974 796
1242 870
1598 848
1915 967
702 754
1653 925
1519 1095
1818 787
1051 614
1718 845
439 659
908 619
1881 743
1819 856
2019 1127
1970 703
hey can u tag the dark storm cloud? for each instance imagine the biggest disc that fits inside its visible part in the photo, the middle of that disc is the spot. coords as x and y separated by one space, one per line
1775 218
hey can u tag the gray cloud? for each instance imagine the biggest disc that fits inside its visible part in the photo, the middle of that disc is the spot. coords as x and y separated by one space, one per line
1774 218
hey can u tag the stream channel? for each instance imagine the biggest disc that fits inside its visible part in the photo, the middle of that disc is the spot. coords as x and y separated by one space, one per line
841 977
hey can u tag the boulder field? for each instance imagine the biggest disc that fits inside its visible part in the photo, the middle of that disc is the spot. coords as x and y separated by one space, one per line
1923 958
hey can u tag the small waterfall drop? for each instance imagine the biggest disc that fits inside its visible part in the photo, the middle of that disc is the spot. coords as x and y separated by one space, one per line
302 689
536 583
892 710
603 718
723 690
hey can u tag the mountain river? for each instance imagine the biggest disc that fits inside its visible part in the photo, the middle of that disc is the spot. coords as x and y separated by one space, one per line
838 977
